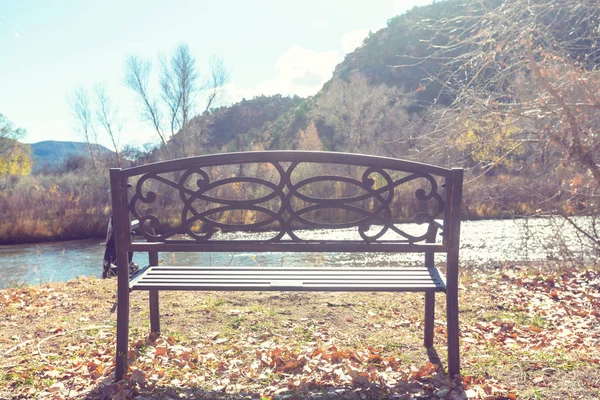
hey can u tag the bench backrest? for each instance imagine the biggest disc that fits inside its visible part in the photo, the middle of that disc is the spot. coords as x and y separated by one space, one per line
274 201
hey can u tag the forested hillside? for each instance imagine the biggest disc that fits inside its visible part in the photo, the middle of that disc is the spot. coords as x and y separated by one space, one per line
52 154
508 89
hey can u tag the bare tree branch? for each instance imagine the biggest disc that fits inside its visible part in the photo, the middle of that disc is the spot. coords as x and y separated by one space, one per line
136 78
219 77
107 116
79 103
533 65
174 106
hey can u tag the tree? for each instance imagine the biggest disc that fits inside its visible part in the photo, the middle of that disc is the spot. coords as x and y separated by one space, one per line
92 115
219 77
107 114
309 139
364 118
178 82
136 78
535 64
73 162
131 154
137 155
79 103
179 85
14 156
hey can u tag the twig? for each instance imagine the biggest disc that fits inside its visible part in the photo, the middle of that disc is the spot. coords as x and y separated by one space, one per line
17 346
43 340
63 333
580 229
70 387
9 365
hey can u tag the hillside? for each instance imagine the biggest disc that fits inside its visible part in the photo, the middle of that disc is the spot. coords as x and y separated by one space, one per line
53 153
514 102
240 126
373 92
387 94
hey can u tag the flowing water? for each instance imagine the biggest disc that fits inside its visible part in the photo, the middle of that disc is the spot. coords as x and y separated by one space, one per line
483 243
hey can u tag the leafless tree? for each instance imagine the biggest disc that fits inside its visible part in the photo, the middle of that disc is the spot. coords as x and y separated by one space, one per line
533 65
79 103
179 87
107 114
137 79
364 117
219 77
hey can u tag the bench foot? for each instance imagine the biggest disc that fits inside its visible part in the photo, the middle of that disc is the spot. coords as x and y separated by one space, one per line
433 356
154 304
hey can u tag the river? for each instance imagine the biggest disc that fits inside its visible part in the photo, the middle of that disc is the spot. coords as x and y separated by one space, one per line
484 243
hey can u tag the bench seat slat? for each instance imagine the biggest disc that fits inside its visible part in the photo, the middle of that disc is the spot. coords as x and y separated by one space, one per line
269 278
290 269
356 275
288 278
278 288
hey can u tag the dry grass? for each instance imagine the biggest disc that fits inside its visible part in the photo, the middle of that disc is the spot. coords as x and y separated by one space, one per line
52 207
523 336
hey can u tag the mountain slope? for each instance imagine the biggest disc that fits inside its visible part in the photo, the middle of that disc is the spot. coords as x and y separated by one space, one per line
52 153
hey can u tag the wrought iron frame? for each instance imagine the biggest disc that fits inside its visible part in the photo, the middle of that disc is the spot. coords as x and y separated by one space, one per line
288 220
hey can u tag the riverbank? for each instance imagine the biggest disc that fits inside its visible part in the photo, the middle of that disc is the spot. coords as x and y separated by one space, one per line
64 228
483 243
524 335
60 229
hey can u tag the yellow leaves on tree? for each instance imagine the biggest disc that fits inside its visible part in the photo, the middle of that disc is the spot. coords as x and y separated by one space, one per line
491 141
14 156
14 159
309 139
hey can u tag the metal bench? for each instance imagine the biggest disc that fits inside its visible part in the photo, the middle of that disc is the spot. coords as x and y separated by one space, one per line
280 201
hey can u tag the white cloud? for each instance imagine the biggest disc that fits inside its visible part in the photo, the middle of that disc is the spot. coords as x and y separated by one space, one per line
353 39
137 134
298 61
300 71
233 94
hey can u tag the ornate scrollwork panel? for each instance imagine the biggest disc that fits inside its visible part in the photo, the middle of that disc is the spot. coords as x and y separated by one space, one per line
285 199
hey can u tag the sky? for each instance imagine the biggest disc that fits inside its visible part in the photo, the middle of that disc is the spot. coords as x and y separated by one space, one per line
49 49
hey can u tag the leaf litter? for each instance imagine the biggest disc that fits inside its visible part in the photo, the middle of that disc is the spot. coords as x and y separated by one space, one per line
522 334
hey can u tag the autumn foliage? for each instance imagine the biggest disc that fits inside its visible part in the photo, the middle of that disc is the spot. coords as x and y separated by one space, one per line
523 333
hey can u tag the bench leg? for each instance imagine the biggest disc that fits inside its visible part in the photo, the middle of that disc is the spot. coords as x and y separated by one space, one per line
452 237
154 312
453 340
154 309
429 318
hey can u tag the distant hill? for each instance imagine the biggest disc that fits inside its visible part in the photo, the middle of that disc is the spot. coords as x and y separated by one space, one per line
52 153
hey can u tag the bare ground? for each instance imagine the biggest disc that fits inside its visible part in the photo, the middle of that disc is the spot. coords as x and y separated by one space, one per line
523 335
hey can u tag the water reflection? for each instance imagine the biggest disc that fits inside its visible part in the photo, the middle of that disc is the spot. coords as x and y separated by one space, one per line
47 262
483 243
